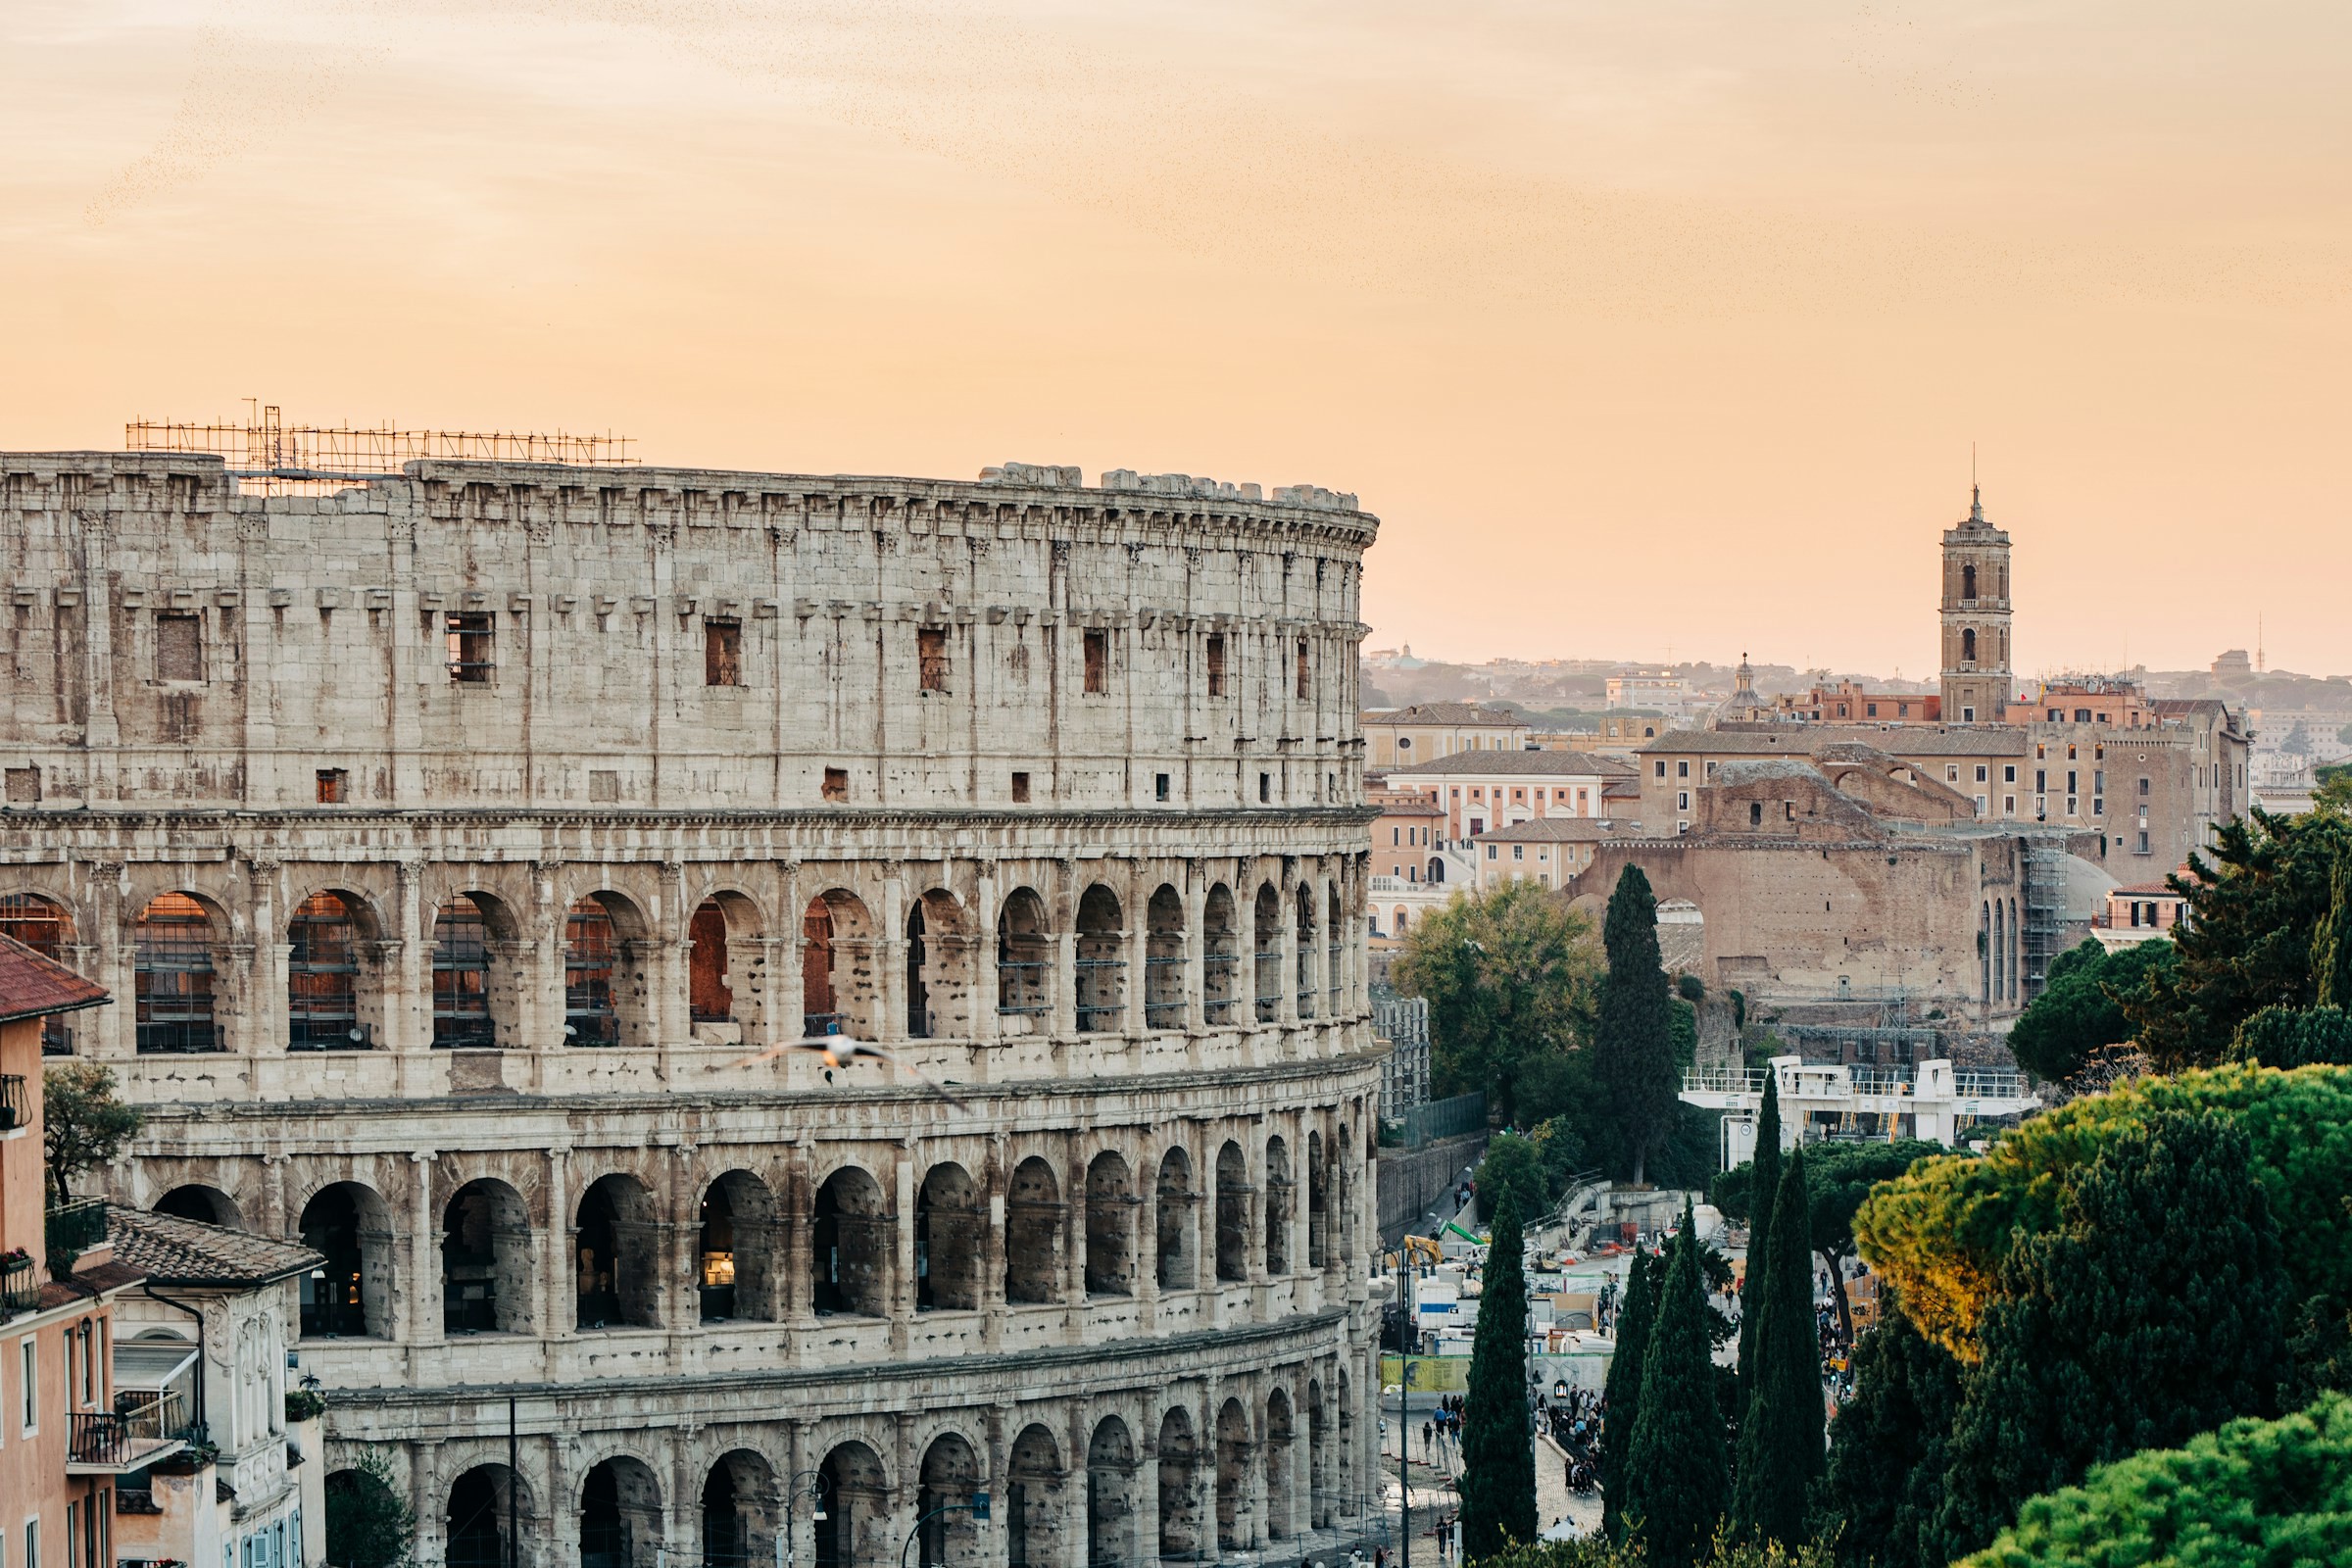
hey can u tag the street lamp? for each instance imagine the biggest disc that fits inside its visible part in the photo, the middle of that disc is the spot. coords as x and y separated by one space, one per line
793 1489
976 1506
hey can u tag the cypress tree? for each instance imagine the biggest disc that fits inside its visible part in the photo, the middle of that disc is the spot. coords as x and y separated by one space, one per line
2106 1338
2331 940
1623 1389
1499 1456
1781 1436
1634 1038
1884 1483
1763 1187
1680 1479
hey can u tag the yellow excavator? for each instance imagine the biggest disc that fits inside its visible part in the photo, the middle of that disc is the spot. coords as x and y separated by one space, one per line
1422 1249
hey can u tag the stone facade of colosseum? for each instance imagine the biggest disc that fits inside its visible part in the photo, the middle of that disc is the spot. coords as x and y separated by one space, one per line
475 852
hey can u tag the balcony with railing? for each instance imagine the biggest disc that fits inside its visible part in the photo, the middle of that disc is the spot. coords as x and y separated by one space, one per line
113 1442
19 1284
72 1228
16 1105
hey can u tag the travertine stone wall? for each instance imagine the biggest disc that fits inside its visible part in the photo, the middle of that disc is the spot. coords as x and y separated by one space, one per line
940 766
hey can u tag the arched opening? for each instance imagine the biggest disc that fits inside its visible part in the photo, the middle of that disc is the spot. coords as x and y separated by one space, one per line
950 1224
738 1269
837 970
1102 972
1303 901
621 1515
939 969
851 1244
2017 949
1279 1204
709 997
854 1505
604 991
1110 1495
1033 1233
2000 951
1233 1478
172 973
1334 969
1233 1213
1319 1496
462 977
741 1507
1268 948
1968 645
1173 1217
356 1504
348 1296
1179 1486
949 1536
1033 1502
44 926
1278 1526
1220 957
485 1260
1164 959
1968 582
1318 1204
1437 873
1110 1226
207 1205
482 1504
1985 952
322 977
1024 963
616 1253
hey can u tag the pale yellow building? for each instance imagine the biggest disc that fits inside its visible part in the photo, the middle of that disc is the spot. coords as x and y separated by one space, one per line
1397 737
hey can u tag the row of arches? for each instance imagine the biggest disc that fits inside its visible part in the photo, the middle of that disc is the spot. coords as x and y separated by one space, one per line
2000 945
1260 1471
337 989
752 1256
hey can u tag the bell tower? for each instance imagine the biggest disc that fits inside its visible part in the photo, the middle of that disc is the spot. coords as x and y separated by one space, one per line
1977 681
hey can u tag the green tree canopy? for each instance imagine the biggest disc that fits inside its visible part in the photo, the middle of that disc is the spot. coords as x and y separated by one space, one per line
1838 1178
368 1524
1512 1166
1681 1482
1941 1231
1634 1049
1599 1552
1883 1493
83 1125
2246 943
2108 1336
1760 1176
1498 1456
1780 1436
1509 976
2253 1494
2295 1037
2080 1008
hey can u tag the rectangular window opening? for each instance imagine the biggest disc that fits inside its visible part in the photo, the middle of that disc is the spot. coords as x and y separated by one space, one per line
1020 789
1160 786
931 659
334 786
837 784
1305 680
603 786
722 653
1098 663
472 647
1266 789
1216 675
178 648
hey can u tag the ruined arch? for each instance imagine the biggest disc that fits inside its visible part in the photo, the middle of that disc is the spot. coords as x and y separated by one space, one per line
1174 1200
1033 1500
1179 1486
1334 969
950 1223
175 941
1024 964
1113 1495
1164 959
207 1205
1266 931
742 1509
1220 957
939 969
1110 1206
947 1536
1279 1204
605 988
1233 1212
1234 1449
485 1260
475 1522
840 992
1100 961
740 1262
1303 914
348 1295
1277 1467
617 1255
620 1514
856 1495
726 960
1033 1212
333 989
473 1000
852 1237
1318 1203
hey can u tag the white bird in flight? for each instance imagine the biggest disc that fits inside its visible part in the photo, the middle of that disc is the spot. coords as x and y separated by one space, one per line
841 1050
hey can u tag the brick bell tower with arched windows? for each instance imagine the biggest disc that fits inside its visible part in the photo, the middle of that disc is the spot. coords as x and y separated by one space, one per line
1977 682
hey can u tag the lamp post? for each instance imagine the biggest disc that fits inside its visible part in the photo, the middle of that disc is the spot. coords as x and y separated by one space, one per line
1404 1382
976 1506
808 1483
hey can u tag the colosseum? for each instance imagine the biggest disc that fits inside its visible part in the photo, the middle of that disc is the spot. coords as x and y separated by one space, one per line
500 868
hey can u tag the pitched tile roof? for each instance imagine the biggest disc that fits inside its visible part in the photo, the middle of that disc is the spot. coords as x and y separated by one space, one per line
1543 763
1445 713
171 1251
1808 739
1557 830
31 986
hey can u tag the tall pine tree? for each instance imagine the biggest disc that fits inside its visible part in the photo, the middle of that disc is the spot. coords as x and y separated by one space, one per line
1499 1456
1780 1435
1680 1480
1763 1186
1884 1491
2331 940
2106 1338
1634 1037
1623 1389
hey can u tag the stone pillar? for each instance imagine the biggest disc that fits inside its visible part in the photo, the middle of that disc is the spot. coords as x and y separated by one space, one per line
1135 913
109 1032
681 1300
796 1203
1073 1229
426 1506
890 950
996 1476
263 1006
1063 916
557 1284
996 1176
407 970
1287 929
786 982
671 1013
1196 951
901 1284
423 1295
985 1028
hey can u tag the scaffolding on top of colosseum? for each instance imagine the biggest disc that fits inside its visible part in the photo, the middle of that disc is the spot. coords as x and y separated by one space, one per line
268 457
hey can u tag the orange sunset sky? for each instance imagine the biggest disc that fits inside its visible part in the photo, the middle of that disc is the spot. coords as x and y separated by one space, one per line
1644 325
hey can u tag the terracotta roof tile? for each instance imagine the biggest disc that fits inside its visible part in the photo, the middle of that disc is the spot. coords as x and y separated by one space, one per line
1515 764
171 1251
31 986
